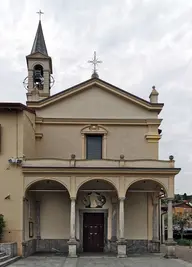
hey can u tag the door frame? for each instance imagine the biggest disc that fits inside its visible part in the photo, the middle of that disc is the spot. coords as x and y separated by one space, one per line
105 212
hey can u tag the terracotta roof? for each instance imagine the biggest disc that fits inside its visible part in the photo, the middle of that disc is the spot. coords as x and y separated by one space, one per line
14 106
164 207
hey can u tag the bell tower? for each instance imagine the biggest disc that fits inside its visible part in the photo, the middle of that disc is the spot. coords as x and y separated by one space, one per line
39 65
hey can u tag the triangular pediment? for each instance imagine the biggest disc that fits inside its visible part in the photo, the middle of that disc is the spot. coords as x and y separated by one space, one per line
96 94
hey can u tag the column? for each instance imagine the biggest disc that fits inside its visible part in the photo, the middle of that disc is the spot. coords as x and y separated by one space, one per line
121 244
72 243
121 218
155 221
170 221
72 220
114 223
163 228
38 233
155 244
170 253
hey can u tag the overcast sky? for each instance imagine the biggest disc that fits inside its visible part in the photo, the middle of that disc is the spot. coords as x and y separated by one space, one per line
141 43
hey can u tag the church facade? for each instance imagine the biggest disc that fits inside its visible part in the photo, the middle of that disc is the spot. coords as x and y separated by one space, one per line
80 170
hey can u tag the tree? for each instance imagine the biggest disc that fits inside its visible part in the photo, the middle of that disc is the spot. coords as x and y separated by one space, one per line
185 196
182 220
178 198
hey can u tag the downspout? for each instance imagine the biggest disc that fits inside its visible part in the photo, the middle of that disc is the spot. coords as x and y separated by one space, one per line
17 134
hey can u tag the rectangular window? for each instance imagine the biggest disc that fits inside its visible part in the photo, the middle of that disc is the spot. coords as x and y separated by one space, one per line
94 146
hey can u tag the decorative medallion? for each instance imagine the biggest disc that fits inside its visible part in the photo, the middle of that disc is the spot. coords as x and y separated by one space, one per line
94 200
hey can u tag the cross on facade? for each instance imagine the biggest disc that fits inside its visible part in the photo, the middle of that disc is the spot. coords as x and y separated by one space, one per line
95 62
40 13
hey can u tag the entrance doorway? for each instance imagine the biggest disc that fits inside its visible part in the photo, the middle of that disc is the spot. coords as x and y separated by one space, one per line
93 232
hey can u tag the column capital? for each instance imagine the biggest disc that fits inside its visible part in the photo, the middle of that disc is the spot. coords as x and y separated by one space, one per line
122 198
155 202
73 198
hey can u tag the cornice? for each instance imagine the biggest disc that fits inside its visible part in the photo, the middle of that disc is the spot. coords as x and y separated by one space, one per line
102 171
102 84
153 138
38 135
85 121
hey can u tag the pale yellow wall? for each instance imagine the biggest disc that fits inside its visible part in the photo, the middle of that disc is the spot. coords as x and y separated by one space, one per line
11 179
95 103
136 216
60 141
130 141
29 147
55 216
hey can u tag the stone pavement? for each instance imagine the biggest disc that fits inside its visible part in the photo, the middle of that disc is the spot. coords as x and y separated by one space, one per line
56 261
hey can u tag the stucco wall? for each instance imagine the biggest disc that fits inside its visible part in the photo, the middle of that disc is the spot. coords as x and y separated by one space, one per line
29 147
136 216
95 103
60 141
11 179
55 216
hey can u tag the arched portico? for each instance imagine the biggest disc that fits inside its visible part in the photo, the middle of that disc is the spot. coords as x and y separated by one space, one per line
46 217
142 215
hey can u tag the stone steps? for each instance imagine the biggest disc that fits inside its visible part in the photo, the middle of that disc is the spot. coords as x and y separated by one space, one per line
5 259
9 261
2 254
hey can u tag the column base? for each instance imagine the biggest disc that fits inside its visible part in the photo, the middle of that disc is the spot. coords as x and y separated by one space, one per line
72 246
121 249
170 249
113 239
154 246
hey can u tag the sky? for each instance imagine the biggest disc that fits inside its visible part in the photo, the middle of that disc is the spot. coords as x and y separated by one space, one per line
141 43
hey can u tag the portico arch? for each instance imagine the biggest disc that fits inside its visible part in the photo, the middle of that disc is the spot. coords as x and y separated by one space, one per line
148 182
97 207
28 185
46 217
142 213
105 180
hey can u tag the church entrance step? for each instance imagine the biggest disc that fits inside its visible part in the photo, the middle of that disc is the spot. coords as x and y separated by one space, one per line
9 261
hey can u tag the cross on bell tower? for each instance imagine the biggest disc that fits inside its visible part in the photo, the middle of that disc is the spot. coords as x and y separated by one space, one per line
40 13
95 62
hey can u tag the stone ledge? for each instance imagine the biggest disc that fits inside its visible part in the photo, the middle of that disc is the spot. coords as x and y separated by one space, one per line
29 247
50 245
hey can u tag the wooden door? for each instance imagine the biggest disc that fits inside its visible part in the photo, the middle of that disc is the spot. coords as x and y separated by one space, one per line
93 232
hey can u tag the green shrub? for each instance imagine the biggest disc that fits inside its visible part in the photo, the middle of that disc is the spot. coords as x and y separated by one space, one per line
2 225
184 242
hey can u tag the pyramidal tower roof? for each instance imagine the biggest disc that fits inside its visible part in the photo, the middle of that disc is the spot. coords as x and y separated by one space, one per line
39 42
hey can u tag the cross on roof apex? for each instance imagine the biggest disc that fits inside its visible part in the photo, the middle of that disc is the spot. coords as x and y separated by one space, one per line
95 62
